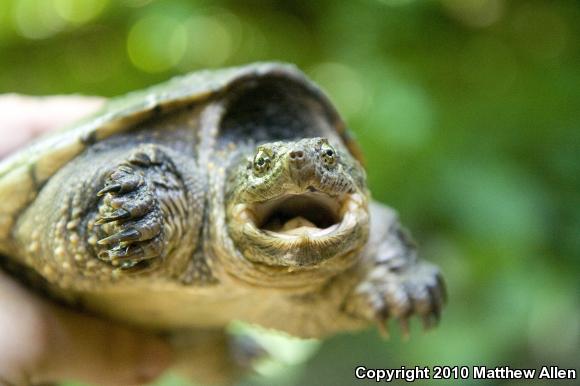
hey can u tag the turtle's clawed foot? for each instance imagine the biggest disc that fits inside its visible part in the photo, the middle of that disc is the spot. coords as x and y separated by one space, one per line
415 290
213 357
131 225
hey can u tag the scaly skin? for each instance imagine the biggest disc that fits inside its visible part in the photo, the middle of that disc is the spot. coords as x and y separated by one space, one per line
124 205
352 276
327 179
248 206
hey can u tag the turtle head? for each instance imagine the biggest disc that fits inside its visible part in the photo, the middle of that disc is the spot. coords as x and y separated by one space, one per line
297 203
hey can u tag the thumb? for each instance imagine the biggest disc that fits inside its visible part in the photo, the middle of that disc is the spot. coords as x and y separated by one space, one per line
25 117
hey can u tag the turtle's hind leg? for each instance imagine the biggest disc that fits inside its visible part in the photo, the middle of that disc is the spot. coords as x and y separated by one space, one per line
214 357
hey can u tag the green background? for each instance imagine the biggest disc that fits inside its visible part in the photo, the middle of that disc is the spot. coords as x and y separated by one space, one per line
467 111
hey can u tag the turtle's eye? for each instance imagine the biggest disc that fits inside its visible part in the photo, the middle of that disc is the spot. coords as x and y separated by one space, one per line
328 154
262 162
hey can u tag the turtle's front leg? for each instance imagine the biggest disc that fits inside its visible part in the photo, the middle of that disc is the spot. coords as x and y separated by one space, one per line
118 212
395 283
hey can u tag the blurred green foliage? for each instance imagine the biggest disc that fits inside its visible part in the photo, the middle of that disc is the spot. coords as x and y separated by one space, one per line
468 111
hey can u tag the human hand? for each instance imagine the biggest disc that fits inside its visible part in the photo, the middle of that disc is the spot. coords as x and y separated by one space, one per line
44 342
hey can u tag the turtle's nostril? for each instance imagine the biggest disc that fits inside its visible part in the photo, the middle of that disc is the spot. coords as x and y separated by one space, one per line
296 155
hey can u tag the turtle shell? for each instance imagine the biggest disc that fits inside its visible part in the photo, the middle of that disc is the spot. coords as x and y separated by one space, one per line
23 174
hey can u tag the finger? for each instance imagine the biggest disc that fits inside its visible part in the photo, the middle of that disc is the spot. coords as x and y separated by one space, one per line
41 342
94 351
25 117
22 338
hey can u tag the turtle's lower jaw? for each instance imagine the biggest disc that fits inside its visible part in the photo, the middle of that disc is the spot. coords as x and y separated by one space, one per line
302 229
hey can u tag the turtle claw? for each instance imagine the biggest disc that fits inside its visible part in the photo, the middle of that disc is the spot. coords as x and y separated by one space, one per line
146 250
112 188
122 180
383 327
441 289
146 156
119 214
429 321
140 159
123 236
405 329
133 258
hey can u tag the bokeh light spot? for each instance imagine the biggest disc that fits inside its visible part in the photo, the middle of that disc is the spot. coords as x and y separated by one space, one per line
475 13
37 19
156 43
344 85
136 3
4 22
209 42
254 42
79 12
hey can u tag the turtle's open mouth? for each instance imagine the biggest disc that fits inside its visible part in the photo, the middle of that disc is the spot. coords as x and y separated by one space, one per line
311 215
300 229
297 214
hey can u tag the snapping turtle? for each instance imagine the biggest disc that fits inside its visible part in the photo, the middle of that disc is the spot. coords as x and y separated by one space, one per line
219 195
